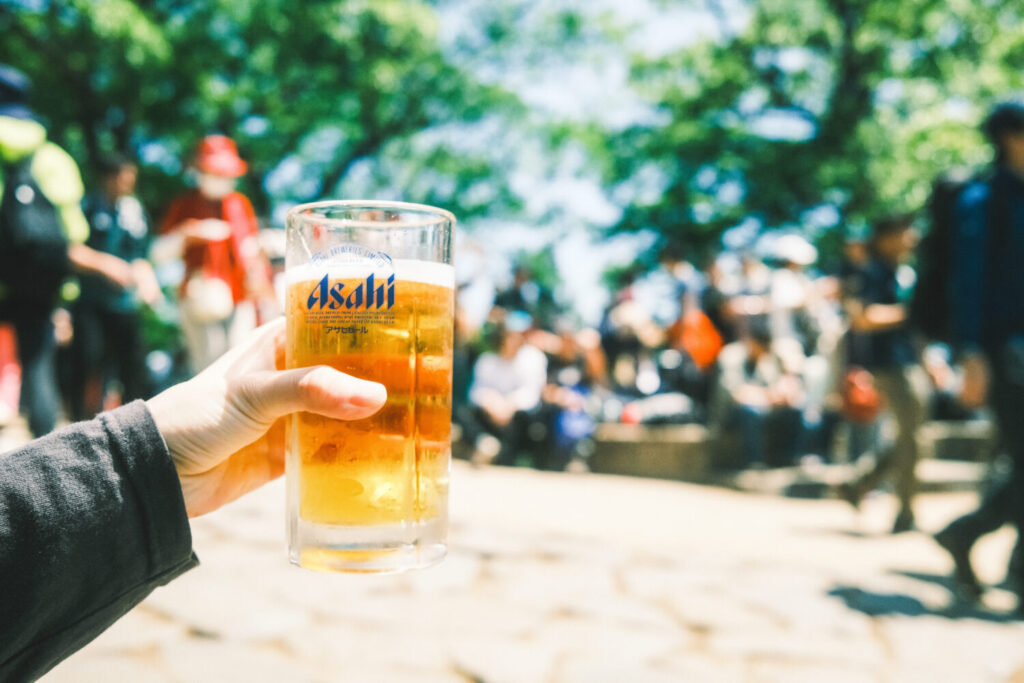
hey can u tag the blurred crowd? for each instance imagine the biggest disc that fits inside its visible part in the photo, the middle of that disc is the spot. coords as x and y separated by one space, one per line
100 305
760 348
782 360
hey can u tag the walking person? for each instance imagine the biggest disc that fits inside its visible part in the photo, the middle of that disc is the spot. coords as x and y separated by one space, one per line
213 229
988 327
42 235
107 342
876 303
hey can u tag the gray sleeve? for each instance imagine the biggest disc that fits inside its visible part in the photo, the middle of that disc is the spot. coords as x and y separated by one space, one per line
91 521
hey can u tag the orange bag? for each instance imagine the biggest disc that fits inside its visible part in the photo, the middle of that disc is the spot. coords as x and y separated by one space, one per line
698 336
862 402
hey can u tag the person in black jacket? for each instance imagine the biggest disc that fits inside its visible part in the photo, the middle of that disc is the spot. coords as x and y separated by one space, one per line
94 516
987 306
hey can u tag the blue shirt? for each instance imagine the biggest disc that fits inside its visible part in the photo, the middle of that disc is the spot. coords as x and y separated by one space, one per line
987 283
119 228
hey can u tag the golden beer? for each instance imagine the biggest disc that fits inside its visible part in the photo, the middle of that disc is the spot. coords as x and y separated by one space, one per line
370 291
390 468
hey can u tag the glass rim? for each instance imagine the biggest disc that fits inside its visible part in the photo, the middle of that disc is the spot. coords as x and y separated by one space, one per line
307 211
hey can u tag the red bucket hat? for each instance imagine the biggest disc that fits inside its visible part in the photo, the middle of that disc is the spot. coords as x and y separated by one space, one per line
218 155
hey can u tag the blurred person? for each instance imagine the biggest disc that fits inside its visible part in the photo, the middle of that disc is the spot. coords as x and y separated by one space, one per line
751 301
793 299
823 370
987 297
575 357
528 295
576 388
673 287
715 301
697 343
877 307
213 229
10 375
94 517
863 436
856 256
759 398
107 341
629 336
43 231
506 391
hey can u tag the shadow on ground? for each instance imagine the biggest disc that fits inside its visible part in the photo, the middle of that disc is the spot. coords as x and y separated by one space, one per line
896 604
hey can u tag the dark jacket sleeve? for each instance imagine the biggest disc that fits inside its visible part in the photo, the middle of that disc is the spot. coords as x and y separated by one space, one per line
91 521
968 276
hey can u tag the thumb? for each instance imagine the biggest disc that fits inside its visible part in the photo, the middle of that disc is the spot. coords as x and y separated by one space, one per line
319 389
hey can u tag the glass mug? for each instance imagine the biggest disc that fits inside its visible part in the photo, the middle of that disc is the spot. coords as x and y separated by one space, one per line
371 292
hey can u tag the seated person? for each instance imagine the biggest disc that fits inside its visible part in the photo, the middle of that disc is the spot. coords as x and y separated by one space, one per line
759 397
506 389
576 385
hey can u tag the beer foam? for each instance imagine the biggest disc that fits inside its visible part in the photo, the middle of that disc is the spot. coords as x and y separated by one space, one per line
427 272
408 270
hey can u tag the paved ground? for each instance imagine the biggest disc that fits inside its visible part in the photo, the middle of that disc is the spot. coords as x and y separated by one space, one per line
589 578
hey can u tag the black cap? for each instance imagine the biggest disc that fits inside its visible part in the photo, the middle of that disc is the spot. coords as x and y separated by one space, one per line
14 89
1005 117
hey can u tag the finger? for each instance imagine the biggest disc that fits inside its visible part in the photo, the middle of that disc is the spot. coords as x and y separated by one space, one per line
319 389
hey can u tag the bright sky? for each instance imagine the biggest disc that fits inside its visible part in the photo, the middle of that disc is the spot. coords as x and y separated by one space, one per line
591 86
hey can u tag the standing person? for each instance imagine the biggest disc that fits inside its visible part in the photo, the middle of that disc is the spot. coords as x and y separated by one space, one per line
108 328
863 432
988 328
213 229
876 304
793 298
43 231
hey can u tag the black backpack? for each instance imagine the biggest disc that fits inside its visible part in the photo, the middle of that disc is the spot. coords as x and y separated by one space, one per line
930 307
33 246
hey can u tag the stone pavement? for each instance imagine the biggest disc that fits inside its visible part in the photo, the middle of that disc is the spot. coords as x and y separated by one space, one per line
581 577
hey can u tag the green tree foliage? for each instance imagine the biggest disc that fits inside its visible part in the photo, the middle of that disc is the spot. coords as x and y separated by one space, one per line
820 113
320 84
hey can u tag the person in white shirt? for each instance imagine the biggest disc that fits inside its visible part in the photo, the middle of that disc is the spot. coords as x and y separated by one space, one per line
507 385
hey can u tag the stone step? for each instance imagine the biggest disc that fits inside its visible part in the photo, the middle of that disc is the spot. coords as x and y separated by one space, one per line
678 452
818 480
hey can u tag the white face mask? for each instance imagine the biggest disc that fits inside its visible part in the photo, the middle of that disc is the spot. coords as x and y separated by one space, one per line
215 186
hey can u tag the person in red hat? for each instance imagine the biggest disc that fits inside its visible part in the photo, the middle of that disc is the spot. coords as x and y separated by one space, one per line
213 229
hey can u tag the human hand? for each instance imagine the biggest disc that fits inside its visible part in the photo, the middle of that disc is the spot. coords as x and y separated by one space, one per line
753 396
148 287
223 427
115 270
496 406
788 392
118 271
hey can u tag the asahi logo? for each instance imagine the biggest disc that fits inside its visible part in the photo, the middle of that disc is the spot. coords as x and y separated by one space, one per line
373 293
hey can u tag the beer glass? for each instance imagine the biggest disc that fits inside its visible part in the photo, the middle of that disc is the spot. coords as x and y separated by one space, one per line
370 291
